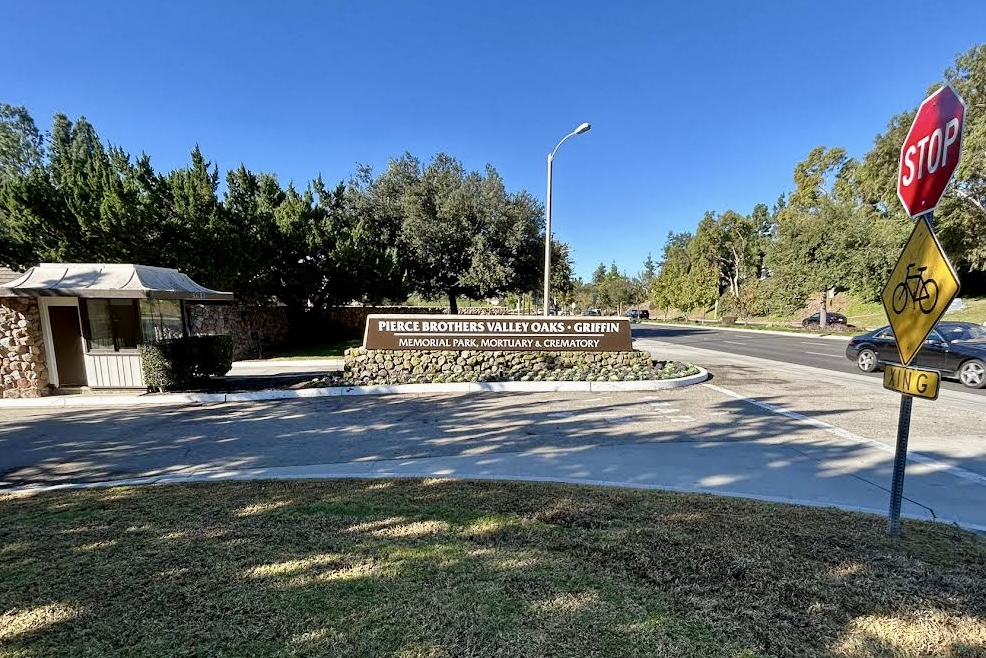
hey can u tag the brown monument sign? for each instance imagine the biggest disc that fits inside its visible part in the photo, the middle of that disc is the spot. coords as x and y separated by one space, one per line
506 333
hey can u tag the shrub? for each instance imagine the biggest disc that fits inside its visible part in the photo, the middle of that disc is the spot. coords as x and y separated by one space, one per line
757 297
729 305
180 362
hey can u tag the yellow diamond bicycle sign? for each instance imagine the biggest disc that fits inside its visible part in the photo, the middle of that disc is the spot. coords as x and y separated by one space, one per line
919 290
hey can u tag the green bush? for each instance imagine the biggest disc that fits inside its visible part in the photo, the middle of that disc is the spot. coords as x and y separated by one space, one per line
757 297
181 362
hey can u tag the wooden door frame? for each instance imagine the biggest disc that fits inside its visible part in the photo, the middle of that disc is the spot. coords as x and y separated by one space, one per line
44 304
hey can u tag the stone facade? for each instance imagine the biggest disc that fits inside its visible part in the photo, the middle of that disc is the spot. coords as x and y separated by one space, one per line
255 330
352 319
410 366
23 367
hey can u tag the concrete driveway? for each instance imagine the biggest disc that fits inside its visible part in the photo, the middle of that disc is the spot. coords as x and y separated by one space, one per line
752 431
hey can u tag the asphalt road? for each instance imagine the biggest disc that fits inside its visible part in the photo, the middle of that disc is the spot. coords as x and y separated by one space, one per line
828 353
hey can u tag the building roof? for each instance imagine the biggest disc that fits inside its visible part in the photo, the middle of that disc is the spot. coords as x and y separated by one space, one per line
108 280
7 274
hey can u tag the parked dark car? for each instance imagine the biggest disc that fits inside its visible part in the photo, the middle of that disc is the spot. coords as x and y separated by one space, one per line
830 318
593 311
955 349
638 314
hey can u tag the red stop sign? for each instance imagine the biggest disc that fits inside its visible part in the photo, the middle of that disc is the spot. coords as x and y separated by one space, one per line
931 150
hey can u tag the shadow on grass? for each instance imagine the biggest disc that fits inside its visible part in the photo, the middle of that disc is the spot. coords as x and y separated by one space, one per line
434 568
361 568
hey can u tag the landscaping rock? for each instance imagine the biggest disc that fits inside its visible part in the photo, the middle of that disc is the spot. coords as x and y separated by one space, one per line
404 367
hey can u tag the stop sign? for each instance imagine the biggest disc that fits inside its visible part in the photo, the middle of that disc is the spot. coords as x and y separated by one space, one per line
931 150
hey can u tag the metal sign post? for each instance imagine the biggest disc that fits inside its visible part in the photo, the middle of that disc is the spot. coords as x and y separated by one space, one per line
923 283
911 321
917 322
900 452
900 462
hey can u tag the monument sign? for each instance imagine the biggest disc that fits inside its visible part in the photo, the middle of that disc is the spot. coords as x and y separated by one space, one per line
500 333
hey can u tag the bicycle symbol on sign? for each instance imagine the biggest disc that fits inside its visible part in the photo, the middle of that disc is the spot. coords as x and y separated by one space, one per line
923 293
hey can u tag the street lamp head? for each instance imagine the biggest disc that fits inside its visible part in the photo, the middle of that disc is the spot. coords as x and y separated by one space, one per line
583 128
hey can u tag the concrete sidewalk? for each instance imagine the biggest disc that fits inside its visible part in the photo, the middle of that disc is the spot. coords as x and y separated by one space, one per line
702 438
285 366
827 472
170 399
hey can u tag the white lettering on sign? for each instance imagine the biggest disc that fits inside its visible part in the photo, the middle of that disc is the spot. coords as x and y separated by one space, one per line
509 327
595 327
396 325
423 342
934 146
570 342
452 326
932 157
506 343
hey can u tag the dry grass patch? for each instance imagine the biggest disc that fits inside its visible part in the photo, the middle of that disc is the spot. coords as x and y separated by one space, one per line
417 568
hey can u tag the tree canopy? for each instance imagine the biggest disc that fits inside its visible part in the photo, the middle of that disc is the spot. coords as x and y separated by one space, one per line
841 226
434 229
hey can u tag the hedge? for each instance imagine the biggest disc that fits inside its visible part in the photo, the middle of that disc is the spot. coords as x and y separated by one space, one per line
181 362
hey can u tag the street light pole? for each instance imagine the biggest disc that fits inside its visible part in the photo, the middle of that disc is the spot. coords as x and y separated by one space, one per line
583 127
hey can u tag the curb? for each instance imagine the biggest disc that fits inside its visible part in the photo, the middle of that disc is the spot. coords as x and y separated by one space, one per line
289 363
396 389
314 472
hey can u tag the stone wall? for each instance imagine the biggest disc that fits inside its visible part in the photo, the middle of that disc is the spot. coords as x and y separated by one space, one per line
23 367
352 319
412 366
256 330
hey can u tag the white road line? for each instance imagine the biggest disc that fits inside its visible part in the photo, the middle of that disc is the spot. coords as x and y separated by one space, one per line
734 342
845 434
819 353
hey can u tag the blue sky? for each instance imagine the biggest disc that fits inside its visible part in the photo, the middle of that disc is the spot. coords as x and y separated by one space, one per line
695 106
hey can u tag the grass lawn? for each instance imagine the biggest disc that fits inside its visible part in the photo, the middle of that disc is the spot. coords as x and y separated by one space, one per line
441 568
872 314
335 349
865 315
